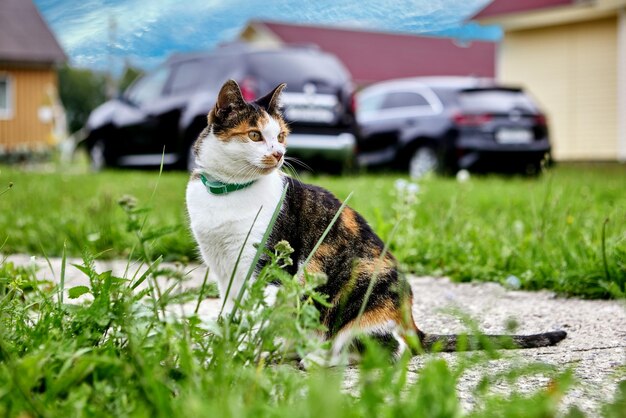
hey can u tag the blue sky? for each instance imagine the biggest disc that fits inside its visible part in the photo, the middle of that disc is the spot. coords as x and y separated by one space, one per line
148 31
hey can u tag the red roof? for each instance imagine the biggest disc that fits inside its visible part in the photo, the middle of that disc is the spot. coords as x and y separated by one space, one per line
504 7
376 56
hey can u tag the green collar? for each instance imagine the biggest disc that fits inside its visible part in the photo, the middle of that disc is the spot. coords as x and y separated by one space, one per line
217 187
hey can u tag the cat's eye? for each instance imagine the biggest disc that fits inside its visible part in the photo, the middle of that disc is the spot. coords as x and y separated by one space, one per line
254 135
281 137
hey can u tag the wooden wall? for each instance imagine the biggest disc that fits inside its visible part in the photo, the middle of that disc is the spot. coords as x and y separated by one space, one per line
24 131
572 71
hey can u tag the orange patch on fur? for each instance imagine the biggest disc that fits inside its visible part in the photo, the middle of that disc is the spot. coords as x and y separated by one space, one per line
314 266
348 219
271 161
316 262
373 267
325 250
263 120
239 132
363 269
283 126
377 316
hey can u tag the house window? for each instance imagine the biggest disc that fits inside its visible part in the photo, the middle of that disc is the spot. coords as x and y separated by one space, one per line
6 99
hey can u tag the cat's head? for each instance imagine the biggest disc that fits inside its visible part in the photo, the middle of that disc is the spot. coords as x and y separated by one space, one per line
243 140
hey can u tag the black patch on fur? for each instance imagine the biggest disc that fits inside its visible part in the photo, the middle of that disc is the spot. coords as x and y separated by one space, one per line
270 102
386 341
450 343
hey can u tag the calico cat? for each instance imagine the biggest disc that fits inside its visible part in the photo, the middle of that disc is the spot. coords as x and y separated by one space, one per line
239 156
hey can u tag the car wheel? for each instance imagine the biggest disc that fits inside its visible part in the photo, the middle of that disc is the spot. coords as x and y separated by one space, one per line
423 161
97 155
532 169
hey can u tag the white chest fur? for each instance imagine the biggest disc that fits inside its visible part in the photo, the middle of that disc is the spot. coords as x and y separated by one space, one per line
220 224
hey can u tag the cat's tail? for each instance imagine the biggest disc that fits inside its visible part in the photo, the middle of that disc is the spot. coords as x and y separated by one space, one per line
455 342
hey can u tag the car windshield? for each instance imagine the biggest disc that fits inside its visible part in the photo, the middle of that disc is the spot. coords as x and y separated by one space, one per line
495 101
297 67
149 87
209 71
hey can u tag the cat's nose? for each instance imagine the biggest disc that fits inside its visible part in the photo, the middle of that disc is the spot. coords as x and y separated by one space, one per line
278 155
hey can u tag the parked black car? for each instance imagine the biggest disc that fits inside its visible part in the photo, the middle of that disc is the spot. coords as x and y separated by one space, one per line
448 124
167 108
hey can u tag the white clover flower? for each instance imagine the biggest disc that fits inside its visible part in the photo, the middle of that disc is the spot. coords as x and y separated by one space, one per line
93 237
462 176
513 282
412 188
400 185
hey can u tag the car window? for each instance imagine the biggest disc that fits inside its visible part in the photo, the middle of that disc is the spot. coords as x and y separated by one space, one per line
370 103
495 100
148 87
297 67
189 75
403 99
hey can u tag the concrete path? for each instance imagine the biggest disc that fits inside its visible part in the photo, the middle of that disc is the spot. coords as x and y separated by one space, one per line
595 347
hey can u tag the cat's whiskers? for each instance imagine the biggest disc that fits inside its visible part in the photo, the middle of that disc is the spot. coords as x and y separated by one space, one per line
292 171
300 163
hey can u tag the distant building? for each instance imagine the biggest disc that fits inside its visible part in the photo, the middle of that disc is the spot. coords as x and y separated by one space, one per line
28 82
375 56
571 55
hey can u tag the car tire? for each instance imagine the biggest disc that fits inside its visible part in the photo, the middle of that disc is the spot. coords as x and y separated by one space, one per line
424 160
532 169
97 155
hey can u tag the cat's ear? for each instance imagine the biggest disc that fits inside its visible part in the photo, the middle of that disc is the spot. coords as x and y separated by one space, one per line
270 101
229 99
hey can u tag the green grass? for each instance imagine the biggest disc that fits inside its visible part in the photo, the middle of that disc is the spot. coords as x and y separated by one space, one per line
546 232
121 352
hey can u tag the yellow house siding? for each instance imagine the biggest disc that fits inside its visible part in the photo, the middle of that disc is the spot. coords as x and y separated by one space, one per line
260 35
30 91
621 85
572 71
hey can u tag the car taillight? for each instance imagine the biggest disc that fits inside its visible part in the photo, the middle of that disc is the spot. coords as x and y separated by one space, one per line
248 89
353 103
541 120
464 119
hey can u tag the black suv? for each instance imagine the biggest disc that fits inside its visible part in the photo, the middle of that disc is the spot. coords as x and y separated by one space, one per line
448 124
167 109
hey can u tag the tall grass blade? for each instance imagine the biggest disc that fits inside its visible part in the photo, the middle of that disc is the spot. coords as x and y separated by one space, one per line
146 273
9 187
606 264
202 288
45 257
62 278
